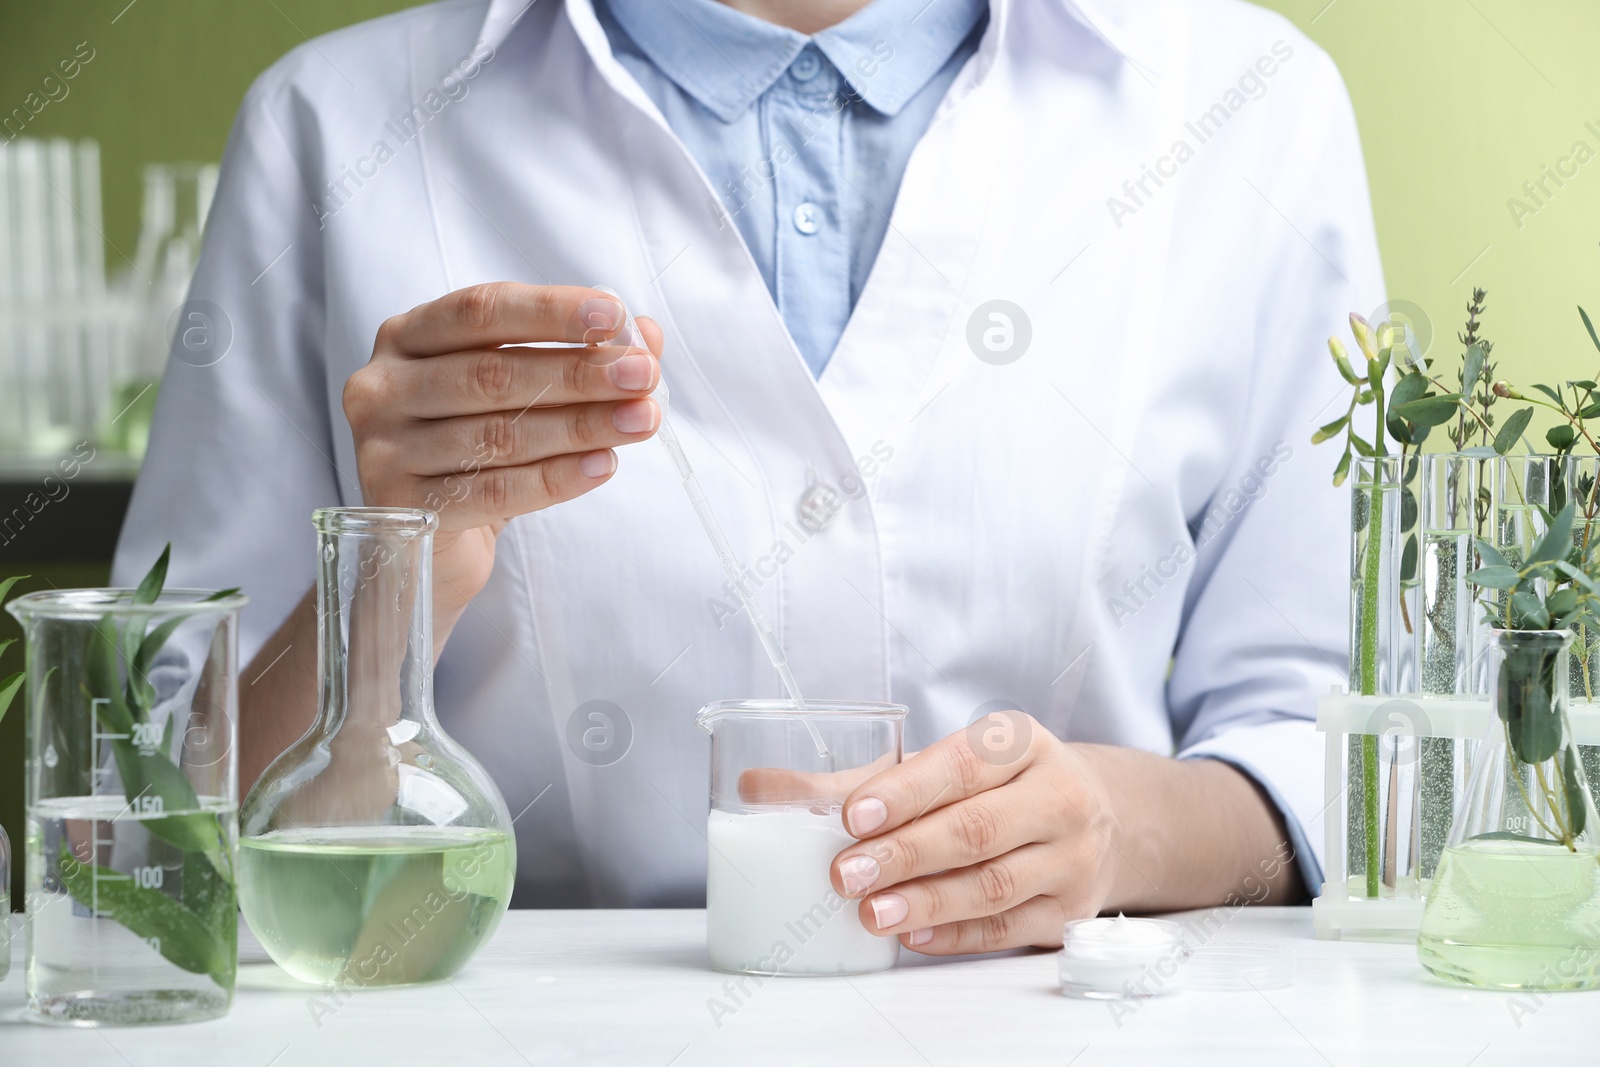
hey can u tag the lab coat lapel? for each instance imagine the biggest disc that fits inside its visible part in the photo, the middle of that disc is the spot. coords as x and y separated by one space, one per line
740 385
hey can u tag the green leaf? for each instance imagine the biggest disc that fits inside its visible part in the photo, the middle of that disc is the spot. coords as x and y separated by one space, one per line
8 690
1590 412
1432 410
151 646
1583 383
1491 555
1538 733
1342 471
140 696
1472 366
1398 429
150 588
1578 576
1561 437
1572 783
180 935
1408 560
1562 601
1329 430
1507 835
1509 434
1495 577
1479 452
103 673
1589 326
155 775
1360 445
7 583
1557 540
150 779
1526 606
1552 394
1410 387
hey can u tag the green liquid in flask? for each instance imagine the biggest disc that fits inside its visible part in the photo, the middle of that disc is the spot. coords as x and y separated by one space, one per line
1512 914
375 906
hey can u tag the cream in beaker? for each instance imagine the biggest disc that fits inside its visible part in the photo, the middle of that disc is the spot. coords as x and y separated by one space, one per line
775 827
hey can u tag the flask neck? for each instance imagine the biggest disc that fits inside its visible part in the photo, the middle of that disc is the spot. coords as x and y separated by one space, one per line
375 620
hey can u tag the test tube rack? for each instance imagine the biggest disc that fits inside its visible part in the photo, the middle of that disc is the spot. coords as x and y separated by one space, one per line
1377 883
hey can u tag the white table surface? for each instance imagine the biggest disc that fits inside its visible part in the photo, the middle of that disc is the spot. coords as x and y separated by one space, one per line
632 987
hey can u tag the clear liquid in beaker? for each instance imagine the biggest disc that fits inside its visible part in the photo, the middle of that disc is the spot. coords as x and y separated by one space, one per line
102 893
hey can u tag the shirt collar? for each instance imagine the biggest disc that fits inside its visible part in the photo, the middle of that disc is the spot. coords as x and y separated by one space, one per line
1099 16
725 59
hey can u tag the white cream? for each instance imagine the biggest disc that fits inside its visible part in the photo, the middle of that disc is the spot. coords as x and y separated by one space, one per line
770 908
1121 957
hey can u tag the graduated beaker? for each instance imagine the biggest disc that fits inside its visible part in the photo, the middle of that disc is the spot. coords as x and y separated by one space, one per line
132 798
776 824
375 850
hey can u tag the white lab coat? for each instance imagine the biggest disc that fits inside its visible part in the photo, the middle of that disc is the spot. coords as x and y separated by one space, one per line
1124 532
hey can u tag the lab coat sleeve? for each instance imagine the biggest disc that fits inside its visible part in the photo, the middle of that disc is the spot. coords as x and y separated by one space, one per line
240 447
1264 631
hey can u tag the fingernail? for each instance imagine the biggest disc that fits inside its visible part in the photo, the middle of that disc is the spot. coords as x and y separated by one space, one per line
858 873
636 416
889 909
630 372
600 314
866 816
920 937
598 464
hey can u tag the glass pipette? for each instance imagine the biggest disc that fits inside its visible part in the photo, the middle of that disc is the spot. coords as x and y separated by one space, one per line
708 518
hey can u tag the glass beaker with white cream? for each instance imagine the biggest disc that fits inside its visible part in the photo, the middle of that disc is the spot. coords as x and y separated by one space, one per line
776 823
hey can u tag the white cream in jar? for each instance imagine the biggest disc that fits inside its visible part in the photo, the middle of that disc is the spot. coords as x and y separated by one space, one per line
1121 958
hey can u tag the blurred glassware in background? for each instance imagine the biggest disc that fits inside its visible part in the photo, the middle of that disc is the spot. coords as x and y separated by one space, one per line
177 199
80 355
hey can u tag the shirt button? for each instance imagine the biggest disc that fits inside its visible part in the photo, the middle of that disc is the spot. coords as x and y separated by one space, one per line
818 506
808 218
806 67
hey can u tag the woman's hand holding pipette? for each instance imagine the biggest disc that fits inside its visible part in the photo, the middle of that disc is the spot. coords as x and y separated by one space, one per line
994 836
447 418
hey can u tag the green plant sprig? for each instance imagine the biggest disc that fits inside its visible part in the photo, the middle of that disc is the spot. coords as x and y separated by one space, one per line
1475 377
1555 588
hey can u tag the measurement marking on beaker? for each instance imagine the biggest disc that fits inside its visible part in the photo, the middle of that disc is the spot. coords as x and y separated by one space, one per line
97 774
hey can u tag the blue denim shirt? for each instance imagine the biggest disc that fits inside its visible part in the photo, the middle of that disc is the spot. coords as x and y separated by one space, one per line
805 139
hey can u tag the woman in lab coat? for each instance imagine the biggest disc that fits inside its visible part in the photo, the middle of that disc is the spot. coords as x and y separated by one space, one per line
1050 456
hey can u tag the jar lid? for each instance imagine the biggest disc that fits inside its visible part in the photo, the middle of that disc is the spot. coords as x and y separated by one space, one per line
1240 967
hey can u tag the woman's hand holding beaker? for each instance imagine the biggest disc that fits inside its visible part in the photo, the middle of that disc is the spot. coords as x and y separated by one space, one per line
994 836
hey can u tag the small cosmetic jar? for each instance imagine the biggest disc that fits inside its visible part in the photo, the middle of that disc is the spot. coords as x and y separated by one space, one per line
1122 958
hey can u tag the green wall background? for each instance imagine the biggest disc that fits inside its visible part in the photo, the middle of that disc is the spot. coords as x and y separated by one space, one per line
1460 102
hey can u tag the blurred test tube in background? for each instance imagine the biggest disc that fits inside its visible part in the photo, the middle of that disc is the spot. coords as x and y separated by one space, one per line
81 354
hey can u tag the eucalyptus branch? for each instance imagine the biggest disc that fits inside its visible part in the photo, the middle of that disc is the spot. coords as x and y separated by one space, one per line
1575 419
